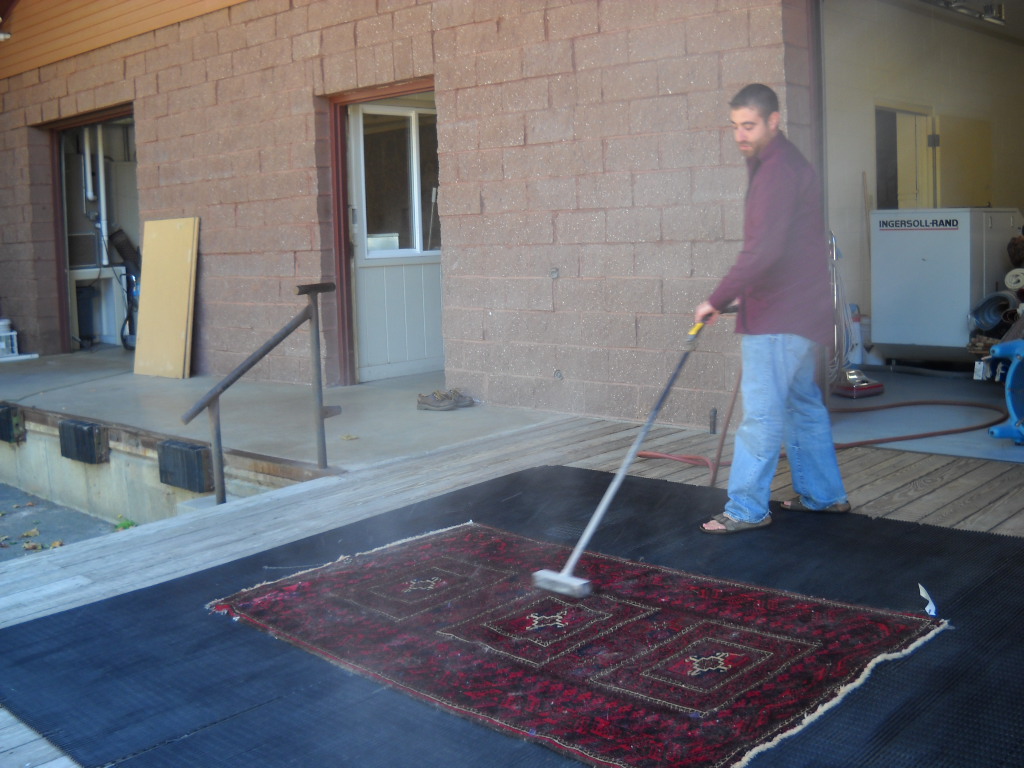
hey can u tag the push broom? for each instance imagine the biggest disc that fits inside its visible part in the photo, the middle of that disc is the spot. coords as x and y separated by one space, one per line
563 581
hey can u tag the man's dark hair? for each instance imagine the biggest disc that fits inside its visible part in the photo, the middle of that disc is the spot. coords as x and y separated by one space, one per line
756 96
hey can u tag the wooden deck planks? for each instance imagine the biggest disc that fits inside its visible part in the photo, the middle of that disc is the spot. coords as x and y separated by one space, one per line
945 504
889 493
21 746
1002 514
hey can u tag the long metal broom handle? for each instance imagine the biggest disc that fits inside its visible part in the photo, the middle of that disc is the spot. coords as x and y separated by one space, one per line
595 520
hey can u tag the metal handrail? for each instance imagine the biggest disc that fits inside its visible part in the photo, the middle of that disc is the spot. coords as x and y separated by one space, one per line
211 400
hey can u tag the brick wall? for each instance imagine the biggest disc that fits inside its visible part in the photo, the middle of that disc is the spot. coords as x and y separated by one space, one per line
590 196
231 125
29 285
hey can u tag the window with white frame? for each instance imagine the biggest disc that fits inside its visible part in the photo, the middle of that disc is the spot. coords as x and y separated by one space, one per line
396 154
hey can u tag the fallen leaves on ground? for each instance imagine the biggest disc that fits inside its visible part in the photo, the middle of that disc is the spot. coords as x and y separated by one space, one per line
30 534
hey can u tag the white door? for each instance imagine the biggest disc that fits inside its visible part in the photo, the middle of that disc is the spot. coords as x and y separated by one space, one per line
396 238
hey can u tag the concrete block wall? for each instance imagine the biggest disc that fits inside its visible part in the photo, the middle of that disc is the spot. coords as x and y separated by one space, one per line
592 196
126 487
590 193
231 125
29 287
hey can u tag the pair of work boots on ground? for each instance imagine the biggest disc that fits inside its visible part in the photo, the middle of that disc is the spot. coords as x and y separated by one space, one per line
443 401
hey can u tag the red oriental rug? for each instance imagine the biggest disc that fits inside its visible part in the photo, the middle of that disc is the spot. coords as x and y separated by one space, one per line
655 668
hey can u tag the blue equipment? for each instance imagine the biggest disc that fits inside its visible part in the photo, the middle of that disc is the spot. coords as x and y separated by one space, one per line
1013 428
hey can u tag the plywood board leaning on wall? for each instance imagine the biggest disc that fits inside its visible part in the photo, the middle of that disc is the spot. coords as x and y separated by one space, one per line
166 297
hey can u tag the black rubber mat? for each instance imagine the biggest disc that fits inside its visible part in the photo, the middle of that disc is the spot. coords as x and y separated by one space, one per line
151 678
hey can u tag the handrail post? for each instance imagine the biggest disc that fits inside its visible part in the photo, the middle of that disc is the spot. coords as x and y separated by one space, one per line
311 292
318 387
217 450
211 400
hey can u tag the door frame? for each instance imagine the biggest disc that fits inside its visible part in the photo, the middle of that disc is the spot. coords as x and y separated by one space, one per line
60 244
344 253
915 124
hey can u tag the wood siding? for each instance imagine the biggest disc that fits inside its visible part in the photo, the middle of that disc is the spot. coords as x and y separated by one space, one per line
47 31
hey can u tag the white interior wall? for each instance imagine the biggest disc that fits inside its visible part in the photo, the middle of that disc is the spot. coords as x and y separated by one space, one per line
882 53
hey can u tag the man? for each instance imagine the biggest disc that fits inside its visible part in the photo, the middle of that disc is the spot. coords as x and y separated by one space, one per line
780 282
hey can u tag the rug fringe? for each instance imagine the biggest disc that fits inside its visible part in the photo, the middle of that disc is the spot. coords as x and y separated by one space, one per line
406 540
842 693
218 605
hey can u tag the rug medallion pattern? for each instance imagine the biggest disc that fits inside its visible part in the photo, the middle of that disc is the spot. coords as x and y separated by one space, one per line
655 668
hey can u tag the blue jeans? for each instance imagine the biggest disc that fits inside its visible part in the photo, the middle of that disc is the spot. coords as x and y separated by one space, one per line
782 405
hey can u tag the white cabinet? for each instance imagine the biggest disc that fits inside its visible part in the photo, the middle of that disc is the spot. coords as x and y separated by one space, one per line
929 268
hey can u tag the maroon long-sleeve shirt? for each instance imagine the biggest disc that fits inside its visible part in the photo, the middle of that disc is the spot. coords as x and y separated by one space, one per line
781 276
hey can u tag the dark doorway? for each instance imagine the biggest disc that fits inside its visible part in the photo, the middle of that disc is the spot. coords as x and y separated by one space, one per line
887 172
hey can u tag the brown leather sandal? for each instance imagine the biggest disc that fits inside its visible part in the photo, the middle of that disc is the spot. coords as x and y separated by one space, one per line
734 526
796 505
